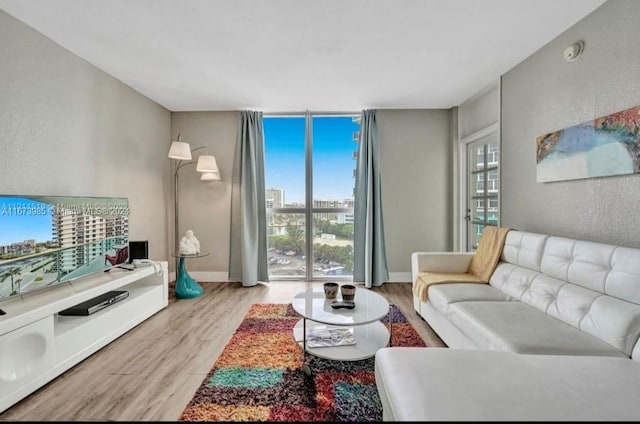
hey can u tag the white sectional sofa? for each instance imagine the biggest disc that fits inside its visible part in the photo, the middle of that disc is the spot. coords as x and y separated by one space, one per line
554 335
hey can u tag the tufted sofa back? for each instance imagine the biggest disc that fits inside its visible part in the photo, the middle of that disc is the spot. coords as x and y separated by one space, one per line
591 286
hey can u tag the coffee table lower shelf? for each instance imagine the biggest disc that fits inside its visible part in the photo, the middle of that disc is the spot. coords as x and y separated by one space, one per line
369 338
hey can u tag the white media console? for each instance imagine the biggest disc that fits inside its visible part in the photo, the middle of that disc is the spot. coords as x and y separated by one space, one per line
37 344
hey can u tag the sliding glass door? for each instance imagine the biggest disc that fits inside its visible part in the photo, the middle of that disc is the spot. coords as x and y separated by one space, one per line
309 171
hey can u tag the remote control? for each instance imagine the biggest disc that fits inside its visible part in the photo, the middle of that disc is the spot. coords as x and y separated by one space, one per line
346 305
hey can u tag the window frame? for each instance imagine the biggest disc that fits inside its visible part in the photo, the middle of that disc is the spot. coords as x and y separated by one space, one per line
309 210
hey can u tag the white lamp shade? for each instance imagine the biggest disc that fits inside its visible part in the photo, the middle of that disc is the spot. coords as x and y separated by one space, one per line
180 150
207 163
210 176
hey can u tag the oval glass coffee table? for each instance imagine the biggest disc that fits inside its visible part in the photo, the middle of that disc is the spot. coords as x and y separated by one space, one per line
369 332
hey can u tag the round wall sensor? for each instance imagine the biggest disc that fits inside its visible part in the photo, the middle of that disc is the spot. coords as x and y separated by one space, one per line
574 51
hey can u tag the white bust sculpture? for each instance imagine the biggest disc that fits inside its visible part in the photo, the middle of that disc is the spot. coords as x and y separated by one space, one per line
189 244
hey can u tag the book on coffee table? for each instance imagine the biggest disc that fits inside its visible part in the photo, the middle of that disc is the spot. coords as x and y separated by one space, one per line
321 336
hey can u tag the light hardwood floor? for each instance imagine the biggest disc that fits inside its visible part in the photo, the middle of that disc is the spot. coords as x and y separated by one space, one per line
151 372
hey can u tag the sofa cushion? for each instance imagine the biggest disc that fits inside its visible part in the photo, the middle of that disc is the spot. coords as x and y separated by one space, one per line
623 281
442 295
614 321
517 327
429 384
516 281
524 249
427 279
604 268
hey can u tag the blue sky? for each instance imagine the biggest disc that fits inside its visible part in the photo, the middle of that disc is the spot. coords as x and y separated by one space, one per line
333 162
23 219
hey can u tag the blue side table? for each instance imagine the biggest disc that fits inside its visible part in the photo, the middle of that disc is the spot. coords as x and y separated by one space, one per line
186 286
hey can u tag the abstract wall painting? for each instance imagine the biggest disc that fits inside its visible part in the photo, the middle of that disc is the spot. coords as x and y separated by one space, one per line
605 146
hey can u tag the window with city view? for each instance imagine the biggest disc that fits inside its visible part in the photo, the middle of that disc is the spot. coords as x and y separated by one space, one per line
309 172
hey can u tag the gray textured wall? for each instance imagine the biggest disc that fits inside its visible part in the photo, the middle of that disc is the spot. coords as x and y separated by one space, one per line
480 110
205 207
545 93
67 128
416 167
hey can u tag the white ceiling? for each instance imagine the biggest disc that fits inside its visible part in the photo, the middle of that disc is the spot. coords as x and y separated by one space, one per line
293 55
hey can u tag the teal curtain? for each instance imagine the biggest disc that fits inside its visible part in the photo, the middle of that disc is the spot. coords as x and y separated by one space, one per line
369 256
248 248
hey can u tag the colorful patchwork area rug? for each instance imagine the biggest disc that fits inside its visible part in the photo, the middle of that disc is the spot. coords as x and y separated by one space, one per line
259 376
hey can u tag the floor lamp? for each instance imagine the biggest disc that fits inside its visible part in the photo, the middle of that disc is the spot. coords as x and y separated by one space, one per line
206 164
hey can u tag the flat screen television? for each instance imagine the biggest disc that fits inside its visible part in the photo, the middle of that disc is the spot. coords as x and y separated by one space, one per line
48 240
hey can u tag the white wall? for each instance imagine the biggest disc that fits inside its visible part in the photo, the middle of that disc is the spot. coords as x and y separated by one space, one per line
416 185
205 207
67 128
545 93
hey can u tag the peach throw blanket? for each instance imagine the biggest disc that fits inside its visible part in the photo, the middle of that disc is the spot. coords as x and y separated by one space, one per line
481 267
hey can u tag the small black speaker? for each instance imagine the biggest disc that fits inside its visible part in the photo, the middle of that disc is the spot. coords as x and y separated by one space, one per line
138 250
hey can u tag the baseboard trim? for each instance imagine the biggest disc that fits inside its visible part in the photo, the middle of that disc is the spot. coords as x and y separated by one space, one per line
215 276
204 276
399 277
